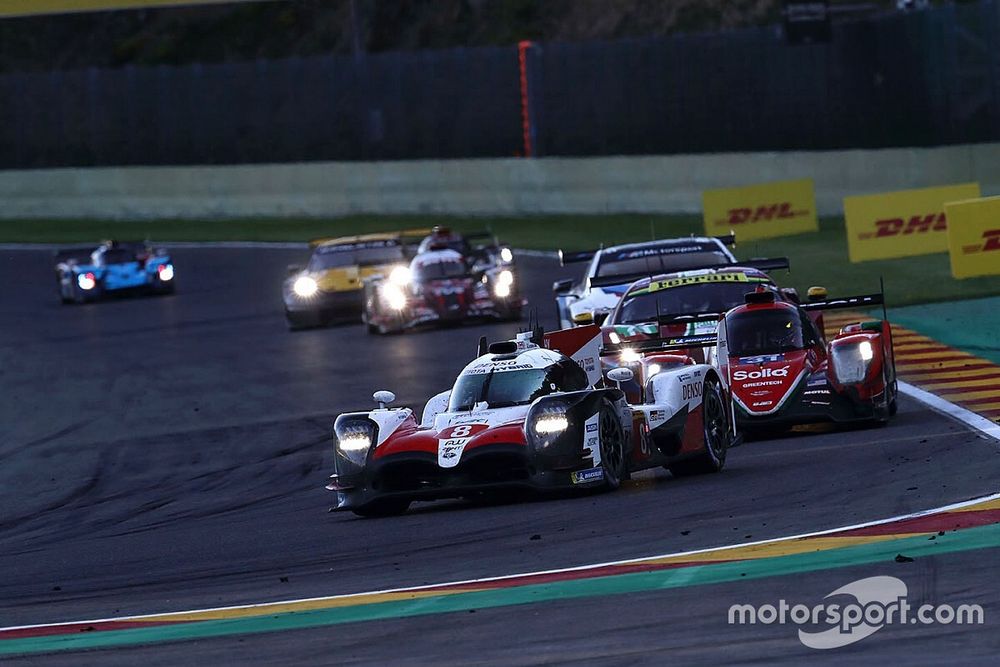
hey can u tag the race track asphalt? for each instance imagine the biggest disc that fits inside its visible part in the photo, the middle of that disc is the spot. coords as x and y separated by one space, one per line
169 453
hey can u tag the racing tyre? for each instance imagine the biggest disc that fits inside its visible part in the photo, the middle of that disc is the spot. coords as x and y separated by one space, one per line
614 461
383 507
716 425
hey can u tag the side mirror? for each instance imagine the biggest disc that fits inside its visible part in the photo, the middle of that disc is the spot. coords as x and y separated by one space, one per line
600 315
383 398
619 375
586 317
562 286
293 269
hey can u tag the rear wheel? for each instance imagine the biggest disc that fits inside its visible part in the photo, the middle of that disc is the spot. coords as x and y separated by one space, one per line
716 426
613 451
383 507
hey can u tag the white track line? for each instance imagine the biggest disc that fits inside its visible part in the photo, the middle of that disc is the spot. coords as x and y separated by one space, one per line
483 580
947 408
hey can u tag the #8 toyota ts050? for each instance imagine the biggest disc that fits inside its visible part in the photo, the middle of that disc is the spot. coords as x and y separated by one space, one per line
113 267
530 415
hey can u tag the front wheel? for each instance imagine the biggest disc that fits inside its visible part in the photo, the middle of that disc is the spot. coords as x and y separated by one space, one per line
614 462
716 427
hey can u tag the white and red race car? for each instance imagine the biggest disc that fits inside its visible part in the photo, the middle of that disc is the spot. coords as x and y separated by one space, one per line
534 413
440 286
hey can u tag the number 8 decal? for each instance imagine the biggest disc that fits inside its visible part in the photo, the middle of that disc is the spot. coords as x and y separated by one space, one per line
461 431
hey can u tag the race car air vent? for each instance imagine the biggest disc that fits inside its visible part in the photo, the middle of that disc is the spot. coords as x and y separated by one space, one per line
503 347
760 297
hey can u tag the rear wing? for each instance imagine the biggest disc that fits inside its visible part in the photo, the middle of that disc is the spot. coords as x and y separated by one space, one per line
403 236
673 343
763 264
862 301
586 255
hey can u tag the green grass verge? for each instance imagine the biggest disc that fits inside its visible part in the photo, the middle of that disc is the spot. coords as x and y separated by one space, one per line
817 259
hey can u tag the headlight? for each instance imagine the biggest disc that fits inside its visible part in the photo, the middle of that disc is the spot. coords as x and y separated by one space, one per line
506 255
305 287
614 337
166 272
502 290
400 276
354 439
86 281
506 277
653 369
850 362
551 420
394 296
630 356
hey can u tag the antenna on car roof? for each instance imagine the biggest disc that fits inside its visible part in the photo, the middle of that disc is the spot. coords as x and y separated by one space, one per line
483 347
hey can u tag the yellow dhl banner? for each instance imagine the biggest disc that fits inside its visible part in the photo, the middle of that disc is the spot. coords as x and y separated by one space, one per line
902 223
33 7
761 211
974 237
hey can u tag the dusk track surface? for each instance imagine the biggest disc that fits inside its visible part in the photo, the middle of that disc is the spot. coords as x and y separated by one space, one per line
169 453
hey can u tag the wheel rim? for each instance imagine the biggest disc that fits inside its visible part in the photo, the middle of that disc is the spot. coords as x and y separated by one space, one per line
611 445
715 423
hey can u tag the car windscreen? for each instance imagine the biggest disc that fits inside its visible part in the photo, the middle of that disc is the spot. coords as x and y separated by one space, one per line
437 270
764 331
500 388
644 305
370 253
621 265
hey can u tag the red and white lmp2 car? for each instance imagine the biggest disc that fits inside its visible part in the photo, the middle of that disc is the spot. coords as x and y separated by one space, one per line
783 371
524 415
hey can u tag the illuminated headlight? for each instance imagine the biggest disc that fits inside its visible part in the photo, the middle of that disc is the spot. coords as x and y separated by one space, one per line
506 255
502 290
506 277
394 296
86 281
358 441
850 362
305 287
400 276
653 369
629 356
614 337
166 272
550 422
354 439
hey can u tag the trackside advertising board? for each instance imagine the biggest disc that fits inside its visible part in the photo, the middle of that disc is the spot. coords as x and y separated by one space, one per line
902 223
974 237
761 211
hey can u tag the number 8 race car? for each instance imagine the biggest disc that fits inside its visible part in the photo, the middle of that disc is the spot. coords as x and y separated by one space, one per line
526 416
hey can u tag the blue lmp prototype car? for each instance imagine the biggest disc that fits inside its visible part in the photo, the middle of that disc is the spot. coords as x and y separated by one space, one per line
113 267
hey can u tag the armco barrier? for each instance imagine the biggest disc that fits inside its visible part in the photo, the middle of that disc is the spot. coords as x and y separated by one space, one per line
479 187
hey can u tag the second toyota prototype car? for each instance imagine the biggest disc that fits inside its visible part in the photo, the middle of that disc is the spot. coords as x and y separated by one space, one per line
611 270
783 371
113 267
531 413
440 286
330 287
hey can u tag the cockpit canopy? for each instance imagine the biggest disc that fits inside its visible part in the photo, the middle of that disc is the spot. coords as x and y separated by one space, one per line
759 331
505 385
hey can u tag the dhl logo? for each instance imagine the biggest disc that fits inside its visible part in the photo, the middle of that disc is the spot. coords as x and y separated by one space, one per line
917 224
991 241
779 211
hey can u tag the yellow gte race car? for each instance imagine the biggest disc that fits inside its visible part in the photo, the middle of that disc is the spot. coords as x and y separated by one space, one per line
330 287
